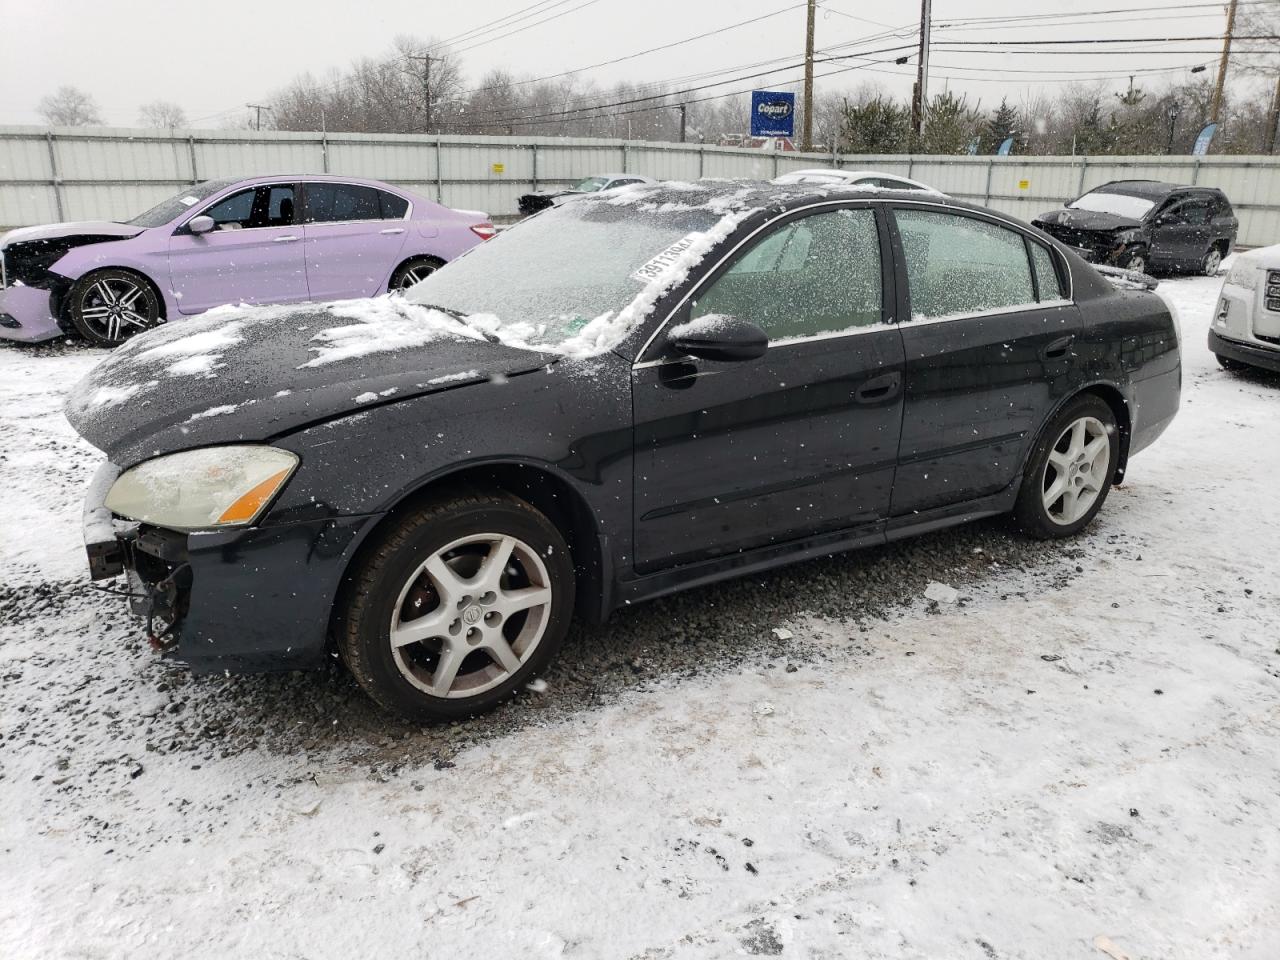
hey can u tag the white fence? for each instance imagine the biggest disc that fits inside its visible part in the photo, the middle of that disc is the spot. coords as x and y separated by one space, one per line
80 173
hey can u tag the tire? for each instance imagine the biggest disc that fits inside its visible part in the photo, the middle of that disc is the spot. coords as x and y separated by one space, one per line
107 307
1137 261
1062 453
1211 262
411 271
441 557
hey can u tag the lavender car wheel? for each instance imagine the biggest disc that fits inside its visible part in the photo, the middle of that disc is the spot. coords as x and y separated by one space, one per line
108 307
413 271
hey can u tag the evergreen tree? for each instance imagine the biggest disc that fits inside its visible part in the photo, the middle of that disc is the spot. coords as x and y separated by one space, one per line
1002 125
877 125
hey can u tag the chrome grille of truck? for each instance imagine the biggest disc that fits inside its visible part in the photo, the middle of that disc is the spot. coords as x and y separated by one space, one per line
1273 290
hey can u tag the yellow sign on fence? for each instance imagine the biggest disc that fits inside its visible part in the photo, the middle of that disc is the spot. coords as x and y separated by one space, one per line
498 169
1024 184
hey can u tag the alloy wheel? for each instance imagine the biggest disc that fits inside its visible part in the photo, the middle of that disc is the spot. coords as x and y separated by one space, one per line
110 307
1212 261
1076 471
414 273
471 615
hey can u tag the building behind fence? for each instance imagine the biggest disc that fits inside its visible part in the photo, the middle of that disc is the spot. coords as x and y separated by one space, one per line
113 174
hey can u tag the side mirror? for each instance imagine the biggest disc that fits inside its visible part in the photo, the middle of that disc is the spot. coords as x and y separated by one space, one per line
717 336
200 224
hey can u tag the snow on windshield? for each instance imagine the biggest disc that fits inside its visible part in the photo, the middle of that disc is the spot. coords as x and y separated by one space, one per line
1135 208
575 279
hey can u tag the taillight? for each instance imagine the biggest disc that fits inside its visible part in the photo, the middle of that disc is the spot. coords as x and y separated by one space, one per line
485 231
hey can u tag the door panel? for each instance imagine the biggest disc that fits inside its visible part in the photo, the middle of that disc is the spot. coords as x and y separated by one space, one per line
731 456
735 455
254 255
1181 234
982 368
350 249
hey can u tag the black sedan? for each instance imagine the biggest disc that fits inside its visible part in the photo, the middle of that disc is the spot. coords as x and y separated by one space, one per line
1147 225
620 398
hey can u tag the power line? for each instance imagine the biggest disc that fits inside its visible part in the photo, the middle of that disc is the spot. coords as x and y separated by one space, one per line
528 26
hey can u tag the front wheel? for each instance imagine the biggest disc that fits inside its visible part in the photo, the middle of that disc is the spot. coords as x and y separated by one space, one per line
1069 472
1137 261
459 605
107 307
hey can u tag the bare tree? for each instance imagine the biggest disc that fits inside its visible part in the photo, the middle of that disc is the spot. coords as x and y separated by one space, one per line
69 107
162 113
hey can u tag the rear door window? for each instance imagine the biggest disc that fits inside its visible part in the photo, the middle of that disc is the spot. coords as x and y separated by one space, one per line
1048 279
339 202
393 207
959 266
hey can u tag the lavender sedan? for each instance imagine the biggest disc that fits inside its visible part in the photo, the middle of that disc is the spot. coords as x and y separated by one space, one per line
263 240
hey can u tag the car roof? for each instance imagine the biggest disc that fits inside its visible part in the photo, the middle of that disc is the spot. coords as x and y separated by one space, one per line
726 196
306 177
1148 189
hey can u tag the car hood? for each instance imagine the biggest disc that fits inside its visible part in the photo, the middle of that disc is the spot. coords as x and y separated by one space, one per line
82 228
1264 258
240 374
1086 220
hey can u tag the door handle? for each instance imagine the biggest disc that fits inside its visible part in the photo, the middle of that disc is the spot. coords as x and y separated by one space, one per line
392 230
1058 349
878 388
284 239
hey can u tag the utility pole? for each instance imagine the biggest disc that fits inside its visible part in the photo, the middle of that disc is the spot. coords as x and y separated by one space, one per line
259 107
1222 64
426 87
920 102
1273 119
806 139
684 118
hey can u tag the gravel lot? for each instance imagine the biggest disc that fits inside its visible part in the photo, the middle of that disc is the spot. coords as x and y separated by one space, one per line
807 763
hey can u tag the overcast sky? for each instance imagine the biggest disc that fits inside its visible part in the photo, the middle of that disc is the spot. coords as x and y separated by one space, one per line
214 58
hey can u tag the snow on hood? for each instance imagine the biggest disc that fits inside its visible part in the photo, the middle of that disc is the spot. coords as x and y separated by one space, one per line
1265 258
1086 220
276 369
53 231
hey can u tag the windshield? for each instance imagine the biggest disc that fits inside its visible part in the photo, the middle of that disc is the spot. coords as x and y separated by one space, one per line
541 282
170 209
589 184
1135 208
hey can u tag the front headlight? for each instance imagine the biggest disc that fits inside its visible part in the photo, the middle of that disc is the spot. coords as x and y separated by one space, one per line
1128 236
204 489
1244 274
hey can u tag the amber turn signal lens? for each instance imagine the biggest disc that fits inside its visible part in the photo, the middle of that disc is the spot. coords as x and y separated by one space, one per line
247 507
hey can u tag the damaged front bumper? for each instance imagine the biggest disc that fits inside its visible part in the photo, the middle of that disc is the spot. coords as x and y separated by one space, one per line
27 314
246 600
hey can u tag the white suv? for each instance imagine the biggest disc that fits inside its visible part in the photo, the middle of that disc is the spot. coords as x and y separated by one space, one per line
1246 325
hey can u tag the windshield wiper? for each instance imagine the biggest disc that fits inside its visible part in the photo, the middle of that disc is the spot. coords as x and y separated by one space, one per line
462 319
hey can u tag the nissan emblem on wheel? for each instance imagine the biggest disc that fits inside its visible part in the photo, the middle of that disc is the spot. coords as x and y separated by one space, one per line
632 394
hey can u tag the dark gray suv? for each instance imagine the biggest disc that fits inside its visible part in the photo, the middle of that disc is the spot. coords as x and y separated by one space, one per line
1147 225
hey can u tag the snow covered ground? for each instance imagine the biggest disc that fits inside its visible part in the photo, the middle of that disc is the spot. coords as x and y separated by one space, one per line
1080 757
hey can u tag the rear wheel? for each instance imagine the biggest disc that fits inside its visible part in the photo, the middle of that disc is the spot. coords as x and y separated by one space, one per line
107 307
1069 473
1211 263
412 271
461 604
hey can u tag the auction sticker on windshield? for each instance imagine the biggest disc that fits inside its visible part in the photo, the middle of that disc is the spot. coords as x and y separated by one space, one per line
663 261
